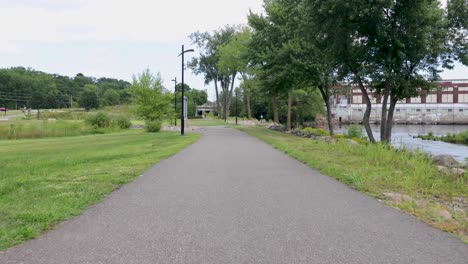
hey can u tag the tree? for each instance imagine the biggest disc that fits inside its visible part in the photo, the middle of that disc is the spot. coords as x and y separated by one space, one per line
111 97
88 99
152 103
207 63
457 12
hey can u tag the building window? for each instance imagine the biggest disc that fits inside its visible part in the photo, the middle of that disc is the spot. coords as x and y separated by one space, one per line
449 89
431 98
447 98
449 110
460 110
462 89
418 110
357 99
398 109
359 110
428 110
463 98
416 100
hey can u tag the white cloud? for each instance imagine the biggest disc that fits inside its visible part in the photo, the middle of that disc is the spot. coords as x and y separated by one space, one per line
138 20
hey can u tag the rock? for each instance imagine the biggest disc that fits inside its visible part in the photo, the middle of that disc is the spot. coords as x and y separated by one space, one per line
277 127
422 203
352 142
328 139
398 197
446 161
458 171
445 214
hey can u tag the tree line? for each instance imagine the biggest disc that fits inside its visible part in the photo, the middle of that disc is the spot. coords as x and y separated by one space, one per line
24 87
298 51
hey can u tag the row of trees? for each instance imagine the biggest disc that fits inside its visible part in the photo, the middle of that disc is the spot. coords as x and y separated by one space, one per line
299 49
21 87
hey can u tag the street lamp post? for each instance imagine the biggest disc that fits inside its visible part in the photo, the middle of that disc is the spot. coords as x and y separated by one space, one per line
182 121
175 100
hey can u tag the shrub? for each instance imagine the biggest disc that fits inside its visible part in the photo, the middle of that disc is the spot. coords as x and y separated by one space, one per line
123 121
99 120
355 131
153 126
315 131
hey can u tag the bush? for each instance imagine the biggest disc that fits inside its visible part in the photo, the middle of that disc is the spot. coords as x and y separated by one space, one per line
355 131
123 121
99 120
315 131
153 126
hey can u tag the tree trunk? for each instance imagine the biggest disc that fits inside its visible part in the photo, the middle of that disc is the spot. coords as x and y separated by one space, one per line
288 126
366 117
383 124
229 94
388 131
326 98
249 111
274 106
218 106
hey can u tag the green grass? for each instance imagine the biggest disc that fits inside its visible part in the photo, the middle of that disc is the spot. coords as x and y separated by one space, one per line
46 181
460 138
202 122
21 129
375 169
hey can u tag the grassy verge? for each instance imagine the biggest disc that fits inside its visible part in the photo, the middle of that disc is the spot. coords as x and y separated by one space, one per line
43 128
378 169
45 181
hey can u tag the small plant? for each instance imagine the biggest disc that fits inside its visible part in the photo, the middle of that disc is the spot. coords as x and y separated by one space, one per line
355 131
123 121
315 131
99 120
153 126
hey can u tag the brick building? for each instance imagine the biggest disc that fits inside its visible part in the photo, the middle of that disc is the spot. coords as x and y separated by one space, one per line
446 105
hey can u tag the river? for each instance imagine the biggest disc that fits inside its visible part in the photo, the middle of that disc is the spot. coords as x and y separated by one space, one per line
402 136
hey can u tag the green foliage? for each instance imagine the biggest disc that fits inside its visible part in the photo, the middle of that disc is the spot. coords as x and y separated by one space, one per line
41 129
111 97
152 103
122 121
355 131
89 100
315 131
99 120
46 181
153 126
460 138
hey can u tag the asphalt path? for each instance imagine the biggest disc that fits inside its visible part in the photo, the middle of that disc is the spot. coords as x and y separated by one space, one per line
230 198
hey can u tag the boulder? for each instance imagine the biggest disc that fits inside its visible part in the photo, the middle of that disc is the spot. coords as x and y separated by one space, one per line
398 197
445 214
446 161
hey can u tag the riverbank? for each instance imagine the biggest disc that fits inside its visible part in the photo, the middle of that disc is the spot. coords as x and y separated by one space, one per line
409 181
460 138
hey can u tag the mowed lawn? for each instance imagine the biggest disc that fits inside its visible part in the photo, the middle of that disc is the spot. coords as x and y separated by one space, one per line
45 181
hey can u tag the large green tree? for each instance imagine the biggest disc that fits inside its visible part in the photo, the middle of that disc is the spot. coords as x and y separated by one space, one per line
152 102
207 63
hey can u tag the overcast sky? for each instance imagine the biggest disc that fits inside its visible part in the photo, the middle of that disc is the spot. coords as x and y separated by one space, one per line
116 38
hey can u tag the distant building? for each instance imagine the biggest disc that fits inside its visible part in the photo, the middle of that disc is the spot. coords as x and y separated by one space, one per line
207 108
447 105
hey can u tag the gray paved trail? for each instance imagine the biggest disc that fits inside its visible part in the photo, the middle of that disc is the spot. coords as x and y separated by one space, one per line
230 198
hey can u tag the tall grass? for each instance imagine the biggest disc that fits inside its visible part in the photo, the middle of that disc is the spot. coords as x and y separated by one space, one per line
41 129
